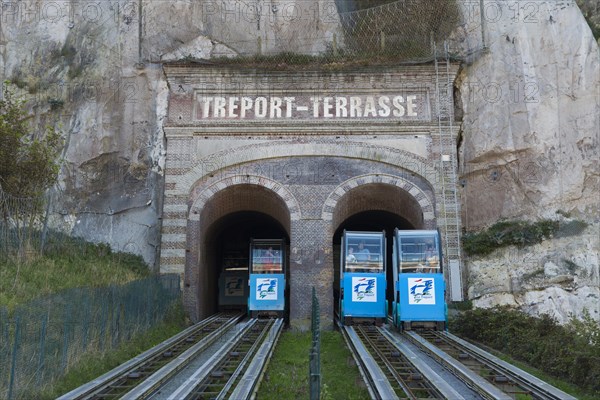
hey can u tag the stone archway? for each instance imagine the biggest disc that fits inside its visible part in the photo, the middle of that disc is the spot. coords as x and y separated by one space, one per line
376 202
214 202
380 192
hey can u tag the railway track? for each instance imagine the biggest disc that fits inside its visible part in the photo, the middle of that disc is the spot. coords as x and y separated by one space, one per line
233 356
221 357
392 371
482 370
235 370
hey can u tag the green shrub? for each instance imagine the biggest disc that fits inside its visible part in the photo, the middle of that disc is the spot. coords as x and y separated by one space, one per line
518 233
570 352
507 233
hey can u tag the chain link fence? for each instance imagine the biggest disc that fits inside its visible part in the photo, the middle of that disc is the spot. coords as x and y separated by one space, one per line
32 227
21 222
42 339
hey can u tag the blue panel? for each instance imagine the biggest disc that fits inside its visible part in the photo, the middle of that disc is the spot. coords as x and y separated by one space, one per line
364 295
422 297
266 292
233 288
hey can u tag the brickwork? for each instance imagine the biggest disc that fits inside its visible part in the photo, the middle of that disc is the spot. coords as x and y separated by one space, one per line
310 176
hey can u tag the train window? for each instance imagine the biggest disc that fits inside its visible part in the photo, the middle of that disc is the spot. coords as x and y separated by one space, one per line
267 258
364 252
235 261
419 253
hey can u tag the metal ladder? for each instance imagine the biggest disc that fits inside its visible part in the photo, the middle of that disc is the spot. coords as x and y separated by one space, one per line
449 209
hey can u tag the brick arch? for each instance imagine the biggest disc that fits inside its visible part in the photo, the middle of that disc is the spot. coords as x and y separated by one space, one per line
202 196
284 149
212 202
419 199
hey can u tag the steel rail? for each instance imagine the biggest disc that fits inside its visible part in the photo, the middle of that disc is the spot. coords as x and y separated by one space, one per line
249 382
160 376
205 370
461 371
128 372
441 385
399 368
375 376
357 360
539 388
211 379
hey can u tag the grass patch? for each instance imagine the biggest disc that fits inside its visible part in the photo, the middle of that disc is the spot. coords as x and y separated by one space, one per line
95 364
557 383
567 353
68 264
287 374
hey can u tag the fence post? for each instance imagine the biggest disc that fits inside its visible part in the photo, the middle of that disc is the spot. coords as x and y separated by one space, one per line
65 350
315 351
13 366
40 369
103 324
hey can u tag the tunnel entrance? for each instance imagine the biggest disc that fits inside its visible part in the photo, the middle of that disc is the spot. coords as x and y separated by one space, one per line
227 255
218 235
374 207
375 221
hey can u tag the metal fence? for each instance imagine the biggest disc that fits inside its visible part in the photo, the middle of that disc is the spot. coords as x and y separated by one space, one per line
21 220
315 350
41 339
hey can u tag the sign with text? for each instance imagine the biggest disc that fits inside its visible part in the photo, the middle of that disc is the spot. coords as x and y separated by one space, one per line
409 107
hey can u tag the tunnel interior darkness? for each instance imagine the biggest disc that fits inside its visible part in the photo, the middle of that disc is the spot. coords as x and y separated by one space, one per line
374 221
228 241
226 223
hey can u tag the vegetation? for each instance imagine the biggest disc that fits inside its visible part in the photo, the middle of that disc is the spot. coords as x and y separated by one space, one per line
591 12
94 364
400 33
570 352
518 233
28 161
67 263
287 374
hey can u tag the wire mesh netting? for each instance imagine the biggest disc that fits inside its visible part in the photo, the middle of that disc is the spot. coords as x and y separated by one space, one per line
32 227
41 339
367 33
21 220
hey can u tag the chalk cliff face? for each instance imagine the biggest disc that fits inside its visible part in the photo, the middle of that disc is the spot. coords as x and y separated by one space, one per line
530 148
94 70
530 109
558 277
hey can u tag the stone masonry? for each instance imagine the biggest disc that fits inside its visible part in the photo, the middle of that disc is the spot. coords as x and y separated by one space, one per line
310 164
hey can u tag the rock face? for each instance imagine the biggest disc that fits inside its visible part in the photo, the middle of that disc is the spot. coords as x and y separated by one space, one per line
529 138
531 112
530 148
98 77
558 277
